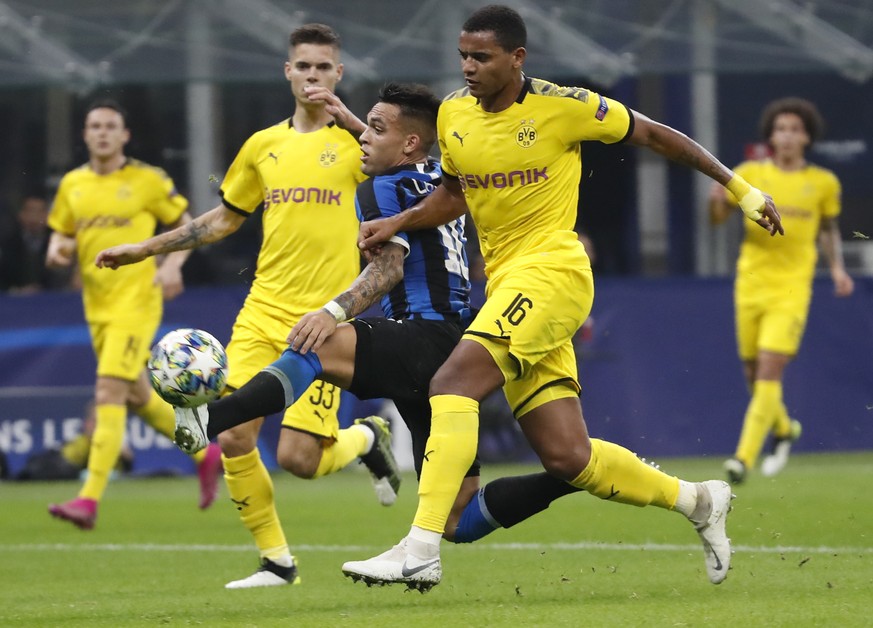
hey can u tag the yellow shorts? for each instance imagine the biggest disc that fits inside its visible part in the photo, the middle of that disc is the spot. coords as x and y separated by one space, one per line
770 321
257 340
527 324
122 348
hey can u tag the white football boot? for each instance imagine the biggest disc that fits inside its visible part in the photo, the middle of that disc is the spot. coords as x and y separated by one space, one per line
398 565
713 529
776 461
191 428
269 574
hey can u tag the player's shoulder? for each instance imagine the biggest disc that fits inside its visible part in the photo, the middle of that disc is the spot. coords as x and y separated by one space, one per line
76 174
458 95
271 132
144 169
820 172
540 87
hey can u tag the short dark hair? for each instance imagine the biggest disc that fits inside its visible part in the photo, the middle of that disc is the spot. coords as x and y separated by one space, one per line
809 114
108 103
315 34
506 24
418 104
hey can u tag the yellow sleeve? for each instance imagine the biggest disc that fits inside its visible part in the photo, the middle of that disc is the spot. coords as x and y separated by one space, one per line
241 189
445 159
595 117
832 204
169 204
61 216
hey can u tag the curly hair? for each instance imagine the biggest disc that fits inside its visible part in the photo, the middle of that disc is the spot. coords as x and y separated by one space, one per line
809 114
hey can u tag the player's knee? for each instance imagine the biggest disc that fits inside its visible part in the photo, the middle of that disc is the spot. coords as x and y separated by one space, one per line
297 463
237 442
568 463
299 453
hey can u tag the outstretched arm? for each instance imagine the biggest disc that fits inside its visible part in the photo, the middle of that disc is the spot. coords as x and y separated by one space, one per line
383 273
680 148
169 274
214 225
440 207
831 243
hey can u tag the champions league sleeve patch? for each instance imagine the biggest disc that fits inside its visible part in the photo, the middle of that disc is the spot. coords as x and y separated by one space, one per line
602 110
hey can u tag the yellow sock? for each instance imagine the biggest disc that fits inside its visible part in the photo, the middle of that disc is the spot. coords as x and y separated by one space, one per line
349 444
760 415
450 450
159 414
105 449
251 490
782 422
616 474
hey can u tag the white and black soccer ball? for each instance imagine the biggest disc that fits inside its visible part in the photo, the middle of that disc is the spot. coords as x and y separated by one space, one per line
188 367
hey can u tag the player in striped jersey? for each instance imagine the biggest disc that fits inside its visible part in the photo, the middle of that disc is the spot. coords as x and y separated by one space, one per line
422 279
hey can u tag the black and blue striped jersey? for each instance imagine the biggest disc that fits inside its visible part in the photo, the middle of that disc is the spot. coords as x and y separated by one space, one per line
436 278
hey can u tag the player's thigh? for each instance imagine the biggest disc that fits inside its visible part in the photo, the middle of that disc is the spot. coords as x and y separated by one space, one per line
782 331
255 342
122 348
315 411
530 312
398 359
747 320
554 377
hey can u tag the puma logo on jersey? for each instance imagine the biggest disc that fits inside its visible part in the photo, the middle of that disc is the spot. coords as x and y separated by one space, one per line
275 157
460 137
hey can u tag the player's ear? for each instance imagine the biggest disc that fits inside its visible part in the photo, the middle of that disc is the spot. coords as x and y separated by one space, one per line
287 69
411 144
339 72
518 57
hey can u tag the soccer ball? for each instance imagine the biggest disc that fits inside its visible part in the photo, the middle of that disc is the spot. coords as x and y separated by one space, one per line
188 367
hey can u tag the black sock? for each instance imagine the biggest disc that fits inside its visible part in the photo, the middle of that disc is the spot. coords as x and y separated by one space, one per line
511 500
262 395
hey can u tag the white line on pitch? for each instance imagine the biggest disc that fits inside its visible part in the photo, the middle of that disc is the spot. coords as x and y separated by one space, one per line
634 547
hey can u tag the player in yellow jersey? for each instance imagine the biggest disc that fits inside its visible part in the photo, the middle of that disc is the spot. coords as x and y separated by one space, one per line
774 277
510 152
110 200
305 171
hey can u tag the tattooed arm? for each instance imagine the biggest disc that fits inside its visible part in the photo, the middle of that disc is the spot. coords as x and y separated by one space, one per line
212 226
383 272
680 148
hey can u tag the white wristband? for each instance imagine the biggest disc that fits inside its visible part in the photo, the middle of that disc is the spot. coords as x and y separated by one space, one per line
335 310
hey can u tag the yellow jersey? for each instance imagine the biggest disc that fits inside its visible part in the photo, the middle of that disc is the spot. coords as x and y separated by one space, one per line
520 167
104 210
803 197
306 182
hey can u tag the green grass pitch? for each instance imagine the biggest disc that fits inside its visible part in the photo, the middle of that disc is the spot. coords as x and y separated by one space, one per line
803 541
